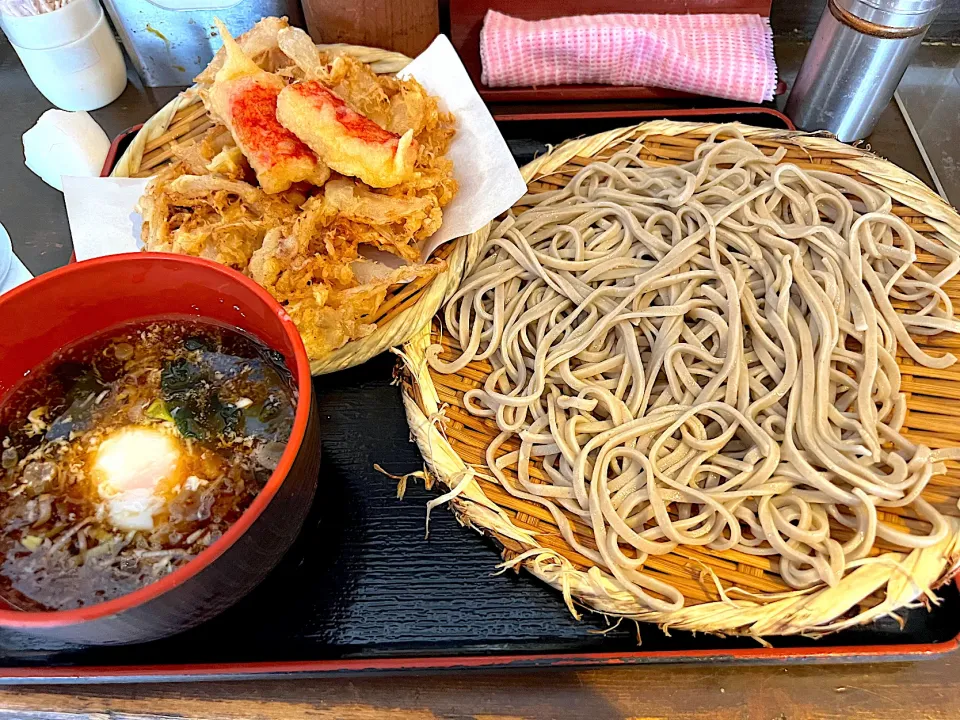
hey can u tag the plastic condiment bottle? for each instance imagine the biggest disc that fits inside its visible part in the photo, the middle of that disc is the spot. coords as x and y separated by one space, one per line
70 54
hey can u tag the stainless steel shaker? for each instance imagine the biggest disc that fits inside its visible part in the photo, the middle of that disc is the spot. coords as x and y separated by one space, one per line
853 66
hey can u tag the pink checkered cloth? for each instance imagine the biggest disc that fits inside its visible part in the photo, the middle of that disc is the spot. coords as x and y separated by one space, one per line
723 55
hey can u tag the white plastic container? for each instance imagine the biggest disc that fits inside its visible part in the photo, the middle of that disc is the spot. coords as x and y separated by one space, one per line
70 54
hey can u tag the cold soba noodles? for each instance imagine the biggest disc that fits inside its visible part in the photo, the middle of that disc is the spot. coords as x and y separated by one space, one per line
705 355
126 455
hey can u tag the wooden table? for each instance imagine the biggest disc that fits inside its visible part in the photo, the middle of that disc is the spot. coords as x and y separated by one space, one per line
928 689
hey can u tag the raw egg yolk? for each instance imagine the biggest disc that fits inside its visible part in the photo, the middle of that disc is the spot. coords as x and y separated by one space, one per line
134 468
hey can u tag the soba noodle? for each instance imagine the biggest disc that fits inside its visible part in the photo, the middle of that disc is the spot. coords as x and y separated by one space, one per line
705 355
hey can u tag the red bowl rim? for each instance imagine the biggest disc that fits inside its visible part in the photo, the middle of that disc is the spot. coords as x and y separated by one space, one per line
55 618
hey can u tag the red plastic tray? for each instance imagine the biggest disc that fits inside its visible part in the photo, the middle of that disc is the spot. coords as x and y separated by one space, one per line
363 591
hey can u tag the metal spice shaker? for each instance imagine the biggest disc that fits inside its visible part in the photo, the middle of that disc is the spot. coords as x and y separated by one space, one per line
856 59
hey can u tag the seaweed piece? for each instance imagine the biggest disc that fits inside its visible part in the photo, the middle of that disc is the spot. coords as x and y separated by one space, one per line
83 385
196 342
194 404
224 418
185 385
185 418
180 376
270 409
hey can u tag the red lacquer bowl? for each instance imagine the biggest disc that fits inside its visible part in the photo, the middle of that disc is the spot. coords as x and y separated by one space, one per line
73 302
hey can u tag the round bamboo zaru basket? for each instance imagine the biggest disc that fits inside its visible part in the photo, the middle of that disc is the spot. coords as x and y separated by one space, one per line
407 307
727 592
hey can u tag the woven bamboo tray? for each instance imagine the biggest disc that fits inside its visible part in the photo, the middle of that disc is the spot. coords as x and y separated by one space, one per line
726 592
407 307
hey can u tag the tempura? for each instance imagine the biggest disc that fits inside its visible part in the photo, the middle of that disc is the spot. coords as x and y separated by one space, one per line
277 217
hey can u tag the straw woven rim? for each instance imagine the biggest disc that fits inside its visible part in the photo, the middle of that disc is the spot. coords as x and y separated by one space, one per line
901 578
407 307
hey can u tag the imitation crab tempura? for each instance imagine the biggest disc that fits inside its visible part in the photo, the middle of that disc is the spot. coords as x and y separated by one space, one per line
346 140
244 98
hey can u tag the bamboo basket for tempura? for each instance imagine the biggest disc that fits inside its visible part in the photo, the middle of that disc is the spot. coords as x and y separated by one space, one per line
407 307
725 592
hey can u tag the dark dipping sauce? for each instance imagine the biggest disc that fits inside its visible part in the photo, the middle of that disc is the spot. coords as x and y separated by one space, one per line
127 454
